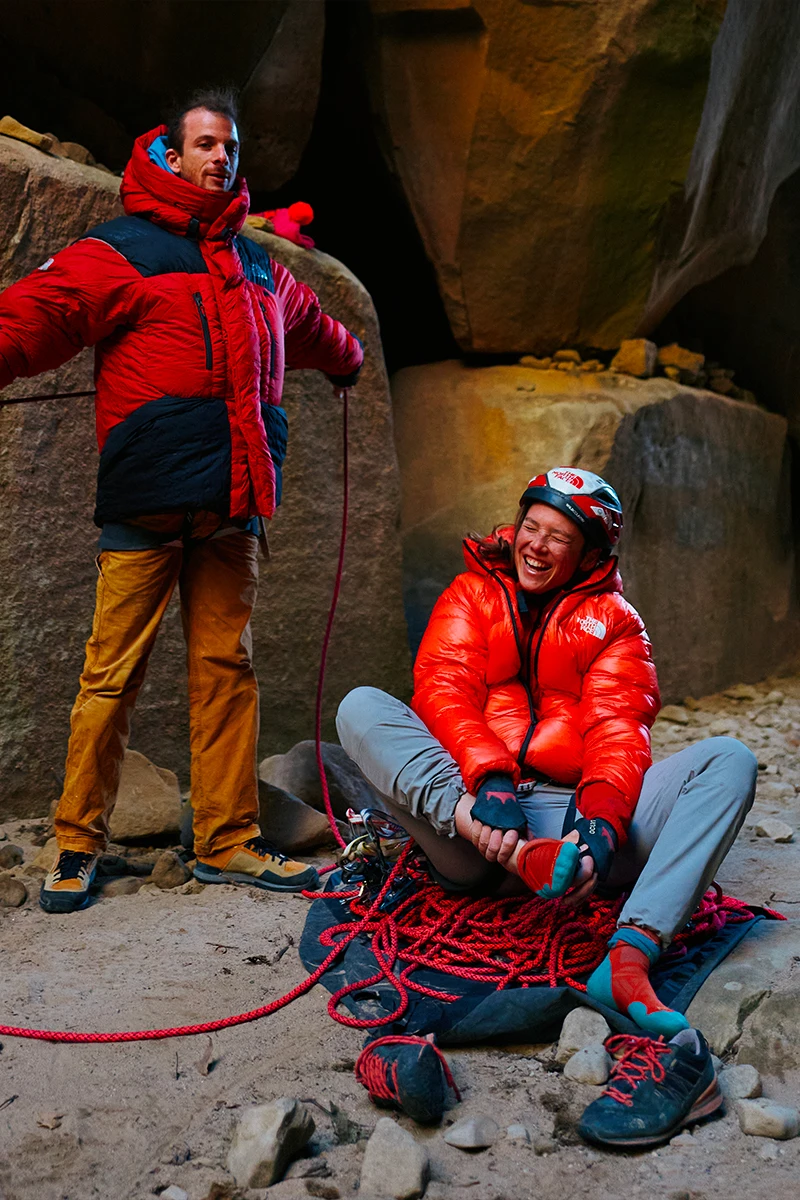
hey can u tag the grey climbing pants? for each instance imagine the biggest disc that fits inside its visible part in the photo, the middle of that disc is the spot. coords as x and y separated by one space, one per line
689 812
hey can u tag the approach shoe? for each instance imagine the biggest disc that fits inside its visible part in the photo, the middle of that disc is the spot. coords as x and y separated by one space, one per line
258 863
656 1088
409 1073
66 888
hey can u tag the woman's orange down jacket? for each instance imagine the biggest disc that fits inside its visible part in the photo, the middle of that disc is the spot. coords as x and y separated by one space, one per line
568 693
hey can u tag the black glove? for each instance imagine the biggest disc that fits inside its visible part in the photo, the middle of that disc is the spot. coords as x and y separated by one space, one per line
348 381
496 804
598 838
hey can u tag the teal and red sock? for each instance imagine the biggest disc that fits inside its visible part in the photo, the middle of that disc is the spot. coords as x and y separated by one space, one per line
622 982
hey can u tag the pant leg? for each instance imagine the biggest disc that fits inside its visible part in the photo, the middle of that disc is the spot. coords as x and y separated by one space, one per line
415 776
218 585
133 590
691 808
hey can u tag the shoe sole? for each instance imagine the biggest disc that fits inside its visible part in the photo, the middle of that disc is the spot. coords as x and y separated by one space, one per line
254 881
705 1106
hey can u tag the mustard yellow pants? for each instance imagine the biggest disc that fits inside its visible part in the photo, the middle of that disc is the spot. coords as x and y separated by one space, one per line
217 581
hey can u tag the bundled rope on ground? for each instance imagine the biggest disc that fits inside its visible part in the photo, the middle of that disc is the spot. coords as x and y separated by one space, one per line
507 941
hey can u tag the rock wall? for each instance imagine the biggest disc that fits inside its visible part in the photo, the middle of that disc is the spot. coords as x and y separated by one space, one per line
540 147
707 554
47 472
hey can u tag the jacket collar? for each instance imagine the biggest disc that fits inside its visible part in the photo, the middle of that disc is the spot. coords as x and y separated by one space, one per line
147 190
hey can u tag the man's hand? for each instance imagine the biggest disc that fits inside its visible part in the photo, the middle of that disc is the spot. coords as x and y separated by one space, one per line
493 844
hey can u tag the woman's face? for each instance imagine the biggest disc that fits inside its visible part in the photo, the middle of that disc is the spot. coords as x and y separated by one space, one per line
548 549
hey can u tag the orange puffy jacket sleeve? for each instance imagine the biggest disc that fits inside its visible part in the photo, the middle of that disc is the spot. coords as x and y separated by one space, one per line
450 689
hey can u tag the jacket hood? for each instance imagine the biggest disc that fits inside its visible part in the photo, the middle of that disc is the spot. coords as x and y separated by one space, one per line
604 578
147 190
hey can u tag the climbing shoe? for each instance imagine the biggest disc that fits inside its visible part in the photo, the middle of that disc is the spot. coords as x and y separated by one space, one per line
258 863
622 982
655 1089
548 866
409 1073
66 888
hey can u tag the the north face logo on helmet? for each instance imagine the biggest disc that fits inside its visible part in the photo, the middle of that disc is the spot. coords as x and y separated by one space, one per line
568 477
593 627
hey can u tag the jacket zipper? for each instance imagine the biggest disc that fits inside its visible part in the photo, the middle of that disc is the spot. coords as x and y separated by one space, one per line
271 341
198 299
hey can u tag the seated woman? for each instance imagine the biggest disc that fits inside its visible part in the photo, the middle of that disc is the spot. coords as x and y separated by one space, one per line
527 746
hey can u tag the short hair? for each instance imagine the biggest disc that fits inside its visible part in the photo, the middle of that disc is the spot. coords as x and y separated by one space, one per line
222 101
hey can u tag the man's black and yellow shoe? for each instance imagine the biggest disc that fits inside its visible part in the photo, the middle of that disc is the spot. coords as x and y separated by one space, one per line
258 863
66 888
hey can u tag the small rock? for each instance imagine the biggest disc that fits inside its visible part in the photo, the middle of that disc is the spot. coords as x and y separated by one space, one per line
774 697
78 154
592 1064
723 726
13 892
325 1191
567 356
173 1192
764 720
14 129
170 871
10 856
148 802
582 1027
296 772
128 885
683 1139
193 887
49 1120
636 356
741 691
539 364
473 1133
544 1145
395 1164
47 855
592 364
519 1133
769 1152
674 713
692 704
684 363
764 1118
265 1139
740 1083
777 831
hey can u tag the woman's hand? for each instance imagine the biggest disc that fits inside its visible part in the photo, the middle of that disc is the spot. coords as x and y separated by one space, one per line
586 878
492 844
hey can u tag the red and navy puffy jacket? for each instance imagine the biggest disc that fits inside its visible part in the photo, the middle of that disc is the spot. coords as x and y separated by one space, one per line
194 327
568 694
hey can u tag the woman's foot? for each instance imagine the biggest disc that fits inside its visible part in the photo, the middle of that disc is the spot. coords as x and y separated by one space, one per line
622 982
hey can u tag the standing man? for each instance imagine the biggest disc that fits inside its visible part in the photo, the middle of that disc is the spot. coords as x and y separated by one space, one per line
194 326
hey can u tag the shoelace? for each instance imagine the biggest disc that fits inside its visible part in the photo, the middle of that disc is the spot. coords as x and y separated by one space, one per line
380 1077
71 865
641 1058
262 848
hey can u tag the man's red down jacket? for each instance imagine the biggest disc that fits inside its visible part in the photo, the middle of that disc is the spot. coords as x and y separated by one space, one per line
592 685
194 328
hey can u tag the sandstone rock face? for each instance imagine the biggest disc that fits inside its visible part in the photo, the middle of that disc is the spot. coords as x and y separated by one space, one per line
47 480
539 146
696 473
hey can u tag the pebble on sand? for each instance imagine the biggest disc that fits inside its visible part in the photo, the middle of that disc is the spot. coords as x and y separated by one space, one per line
395 1164
778 831
473 1133
10 856
741 1082
13 892
592 1064
675 713
764 1118
582 1027
266 1138
170 871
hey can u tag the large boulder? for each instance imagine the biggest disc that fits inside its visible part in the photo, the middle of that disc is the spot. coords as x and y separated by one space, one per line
706 555
47 476
541 146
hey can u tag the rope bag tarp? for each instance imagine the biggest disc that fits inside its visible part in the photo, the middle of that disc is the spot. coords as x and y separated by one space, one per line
476 969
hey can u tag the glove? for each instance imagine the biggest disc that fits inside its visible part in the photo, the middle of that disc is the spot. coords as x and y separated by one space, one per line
496 804
598 838
348 381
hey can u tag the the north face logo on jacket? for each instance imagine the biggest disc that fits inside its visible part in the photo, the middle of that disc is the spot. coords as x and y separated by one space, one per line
593 627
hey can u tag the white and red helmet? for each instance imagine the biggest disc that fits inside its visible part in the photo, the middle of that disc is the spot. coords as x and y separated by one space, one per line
583 497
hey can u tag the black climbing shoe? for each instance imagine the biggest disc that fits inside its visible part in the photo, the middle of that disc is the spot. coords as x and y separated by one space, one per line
409 1073
656 1088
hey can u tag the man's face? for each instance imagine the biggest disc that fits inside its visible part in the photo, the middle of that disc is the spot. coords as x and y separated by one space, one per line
548 549
210 155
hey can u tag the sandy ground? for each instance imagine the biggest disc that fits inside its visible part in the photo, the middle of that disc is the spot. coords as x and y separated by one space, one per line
128 1120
